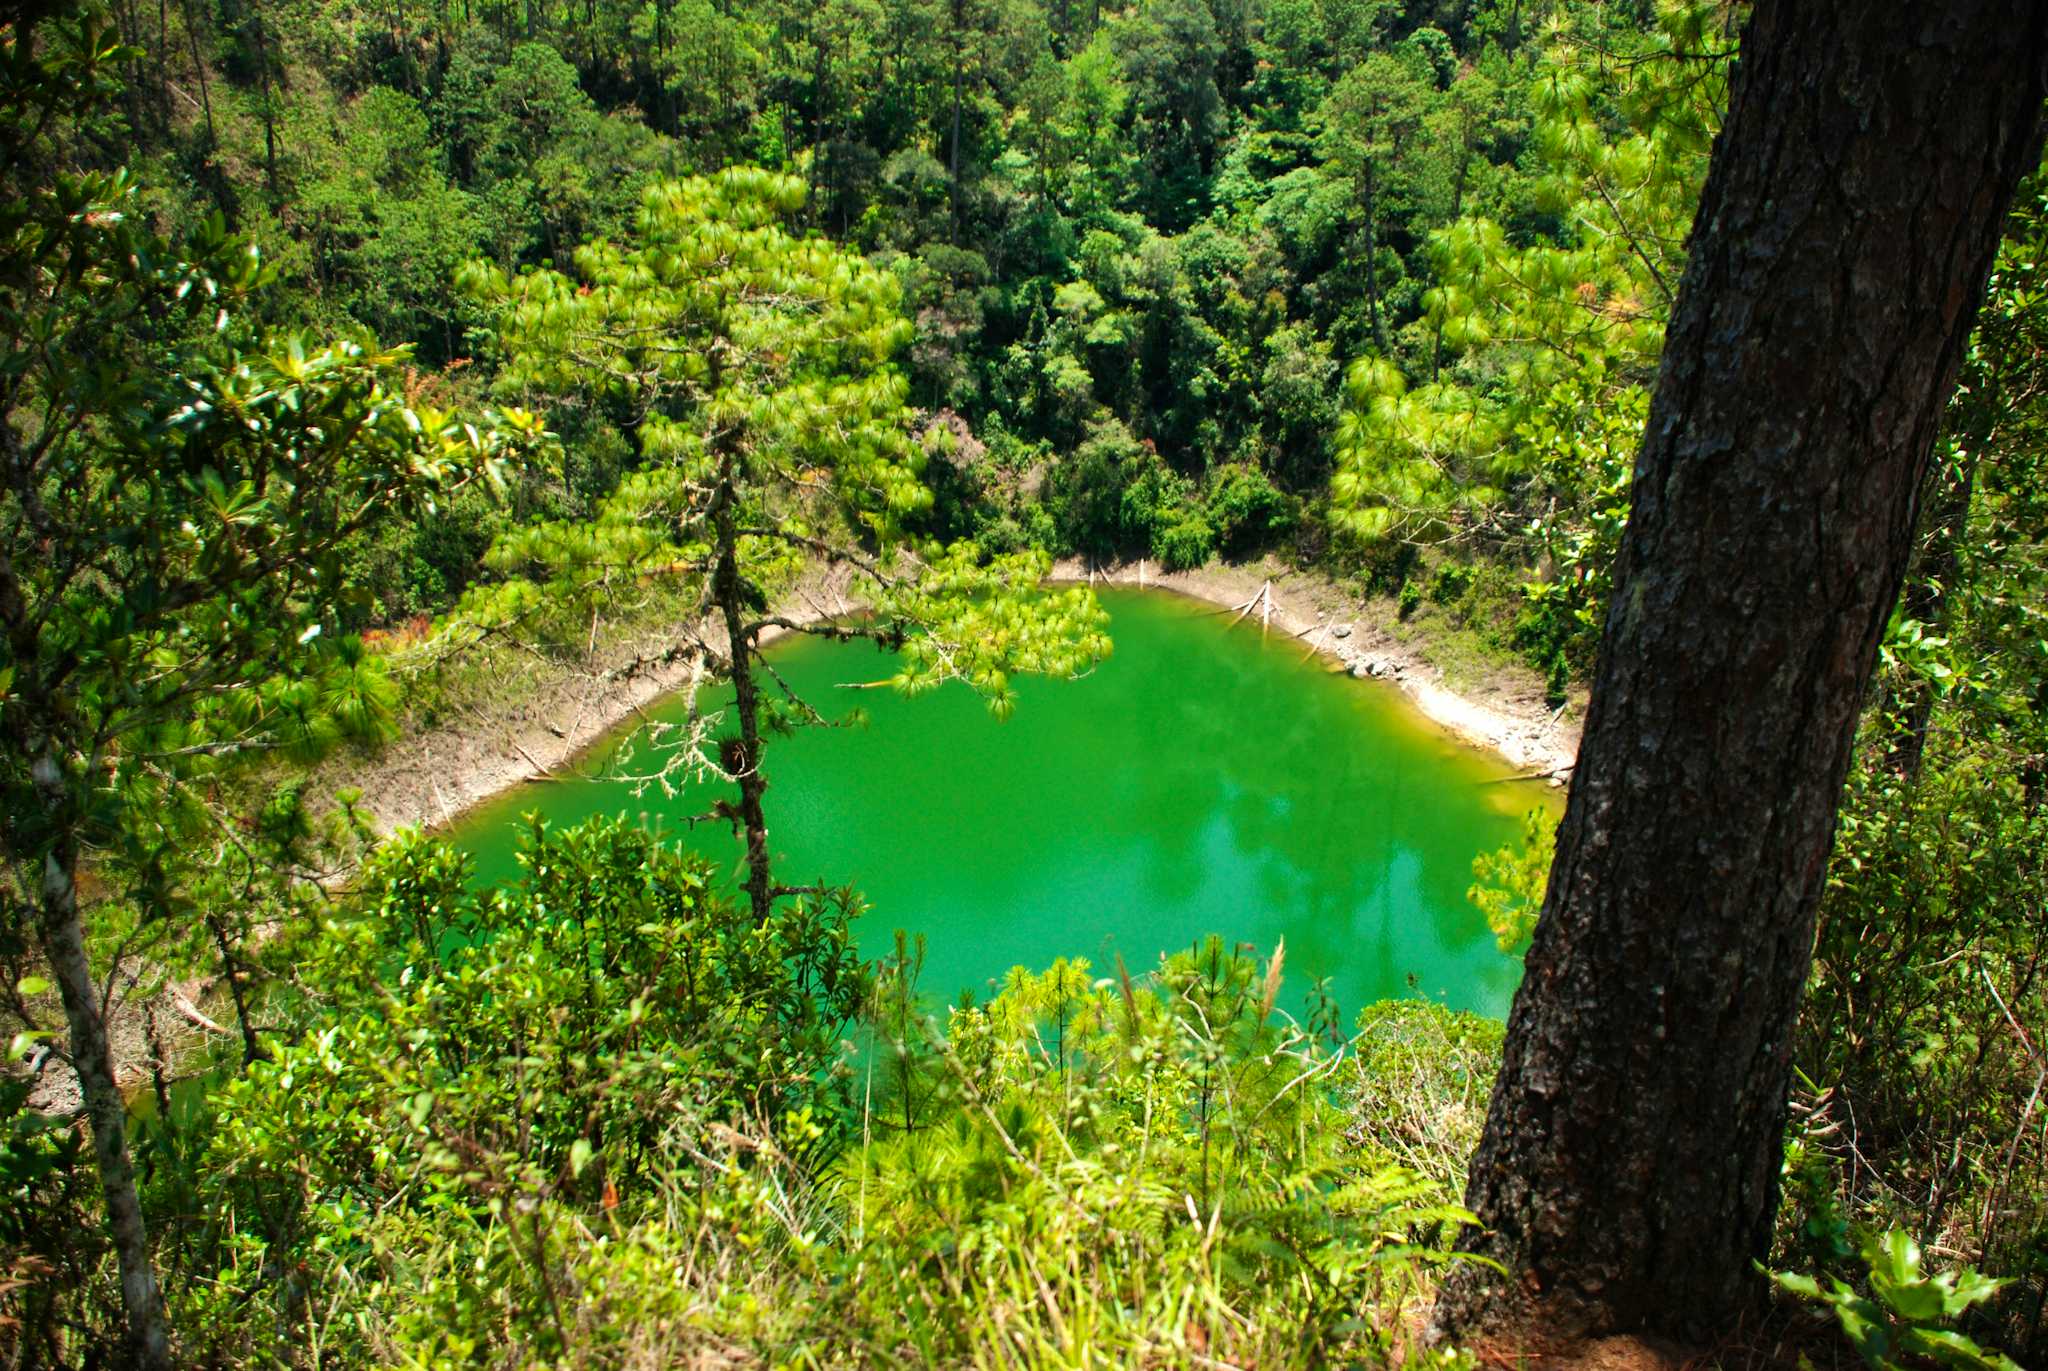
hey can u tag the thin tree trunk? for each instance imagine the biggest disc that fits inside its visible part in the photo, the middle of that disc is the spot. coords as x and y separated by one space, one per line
163 61
743 757
1372 255
1926 599
63 941
1436 345
817 127
159 1062
953 184
199 70
129 27
253 1050
269 111
1628 1173
665 99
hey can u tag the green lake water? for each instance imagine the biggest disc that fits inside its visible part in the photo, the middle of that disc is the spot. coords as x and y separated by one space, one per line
1202 779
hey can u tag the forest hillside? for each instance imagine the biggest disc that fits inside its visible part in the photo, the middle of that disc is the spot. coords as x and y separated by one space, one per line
368 370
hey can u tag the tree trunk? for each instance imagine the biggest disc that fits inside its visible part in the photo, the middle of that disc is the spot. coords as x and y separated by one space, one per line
253 1050
1926 599
199 70
1628 1174
817 127
269 112
1471 121
1369 190
953 159
741 757
63 943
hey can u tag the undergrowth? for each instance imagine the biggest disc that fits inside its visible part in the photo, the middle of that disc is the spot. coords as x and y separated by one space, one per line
600 1119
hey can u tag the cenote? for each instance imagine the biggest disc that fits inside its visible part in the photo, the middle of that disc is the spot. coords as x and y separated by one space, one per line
1204 779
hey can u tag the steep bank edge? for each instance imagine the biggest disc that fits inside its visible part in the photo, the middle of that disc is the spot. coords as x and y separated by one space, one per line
432 778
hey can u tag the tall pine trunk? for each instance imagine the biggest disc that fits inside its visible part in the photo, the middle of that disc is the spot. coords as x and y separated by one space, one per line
1628 1174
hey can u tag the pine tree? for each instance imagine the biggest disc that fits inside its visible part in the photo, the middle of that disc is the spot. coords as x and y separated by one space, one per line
1628 1176
752 369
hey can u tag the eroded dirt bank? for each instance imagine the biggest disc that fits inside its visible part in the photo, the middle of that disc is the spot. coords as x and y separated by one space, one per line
430 778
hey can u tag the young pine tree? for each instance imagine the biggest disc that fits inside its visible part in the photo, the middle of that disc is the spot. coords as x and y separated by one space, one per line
751 369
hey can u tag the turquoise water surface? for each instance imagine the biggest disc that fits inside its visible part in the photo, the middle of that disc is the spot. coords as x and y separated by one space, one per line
1203 779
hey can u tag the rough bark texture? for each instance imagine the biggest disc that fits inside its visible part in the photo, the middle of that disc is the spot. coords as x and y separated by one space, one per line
1628 1172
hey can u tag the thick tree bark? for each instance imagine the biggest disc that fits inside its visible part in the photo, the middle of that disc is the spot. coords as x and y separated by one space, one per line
1628 1173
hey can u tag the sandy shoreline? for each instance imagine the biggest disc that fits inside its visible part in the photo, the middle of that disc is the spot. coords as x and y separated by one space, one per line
431 779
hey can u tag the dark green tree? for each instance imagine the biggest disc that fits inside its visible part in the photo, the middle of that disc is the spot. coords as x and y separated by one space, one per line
173 493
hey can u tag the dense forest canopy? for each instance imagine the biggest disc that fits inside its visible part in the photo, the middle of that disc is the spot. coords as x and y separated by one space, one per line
1142 249
361 359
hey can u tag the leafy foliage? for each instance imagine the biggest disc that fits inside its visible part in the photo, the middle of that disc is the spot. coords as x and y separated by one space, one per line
956 289
474 1066
1508 884
1902 1317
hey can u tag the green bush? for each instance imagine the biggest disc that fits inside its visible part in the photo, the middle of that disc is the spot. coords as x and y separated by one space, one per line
599 1119
1926 958
1247 510
1103 495
1900 1323
1185 543
1452 581
1123 1167
485 1082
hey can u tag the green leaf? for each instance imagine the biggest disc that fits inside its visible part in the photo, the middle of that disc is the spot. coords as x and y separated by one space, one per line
1953 1349
30 986
1864 1323
1805 1286
579 1156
